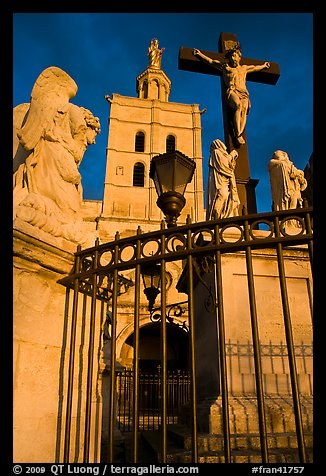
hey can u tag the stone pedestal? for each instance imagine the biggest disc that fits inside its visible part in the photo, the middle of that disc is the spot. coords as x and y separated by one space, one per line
39 320
206 343
41 328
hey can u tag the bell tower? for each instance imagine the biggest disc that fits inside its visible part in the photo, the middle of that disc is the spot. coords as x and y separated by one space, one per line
140 128
153 84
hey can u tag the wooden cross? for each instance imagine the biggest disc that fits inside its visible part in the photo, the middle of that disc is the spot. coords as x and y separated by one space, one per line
189 62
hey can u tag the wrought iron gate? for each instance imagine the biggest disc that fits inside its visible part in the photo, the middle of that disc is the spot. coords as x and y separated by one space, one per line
178 386
96 274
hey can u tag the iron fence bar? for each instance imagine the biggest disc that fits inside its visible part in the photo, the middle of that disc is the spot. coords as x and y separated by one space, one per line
290 348
309 232
178 393
257 354
89 385
163 386
156 394
121 379
112 405
222 352
71 368
126 386
119 391
172 398
146 402
130 402
154 397
126 399
211 224
310 297
229 247
310 250
126 416
175 405
135 396
254 242
230 354
120 386
149 390
135 412
142 404
191 317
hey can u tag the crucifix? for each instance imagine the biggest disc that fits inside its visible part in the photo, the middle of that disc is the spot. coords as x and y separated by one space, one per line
228 63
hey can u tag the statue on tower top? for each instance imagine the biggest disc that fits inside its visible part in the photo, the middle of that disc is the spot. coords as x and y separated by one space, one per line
155 54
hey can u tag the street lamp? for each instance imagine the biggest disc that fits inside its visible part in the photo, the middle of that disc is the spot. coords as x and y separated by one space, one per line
151 274
171 173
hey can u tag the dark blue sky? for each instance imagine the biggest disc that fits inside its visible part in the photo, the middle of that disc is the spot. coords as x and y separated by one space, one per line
104 52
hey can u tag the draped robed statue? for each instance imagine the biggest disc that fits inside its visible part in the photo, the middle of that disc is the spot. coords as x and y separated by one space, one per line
222 194
286 181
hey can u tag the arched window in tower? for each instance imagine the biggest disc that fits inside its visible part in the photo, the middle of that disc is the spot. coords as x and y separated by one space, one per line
140 142
145 90
170 143
138 179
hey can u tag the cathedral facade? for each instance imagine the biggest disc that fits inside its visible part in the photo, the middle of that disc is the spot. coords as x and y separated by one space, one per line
51 350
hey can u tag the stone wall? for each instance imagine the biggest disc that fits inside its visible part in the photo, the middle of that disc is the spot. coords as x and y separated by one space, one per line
41 327
238 336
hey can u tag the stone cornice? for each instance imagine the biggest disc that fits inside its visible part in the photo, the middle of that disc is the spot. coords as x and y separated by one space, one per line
40 250
153 72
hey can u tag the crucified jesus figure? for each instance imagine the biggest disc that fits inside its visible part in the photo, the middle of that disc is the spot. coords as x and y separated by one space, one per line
234 76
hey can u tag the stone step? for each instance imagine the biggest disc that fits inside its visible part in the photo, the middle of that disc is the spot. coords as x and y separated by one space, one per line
244 448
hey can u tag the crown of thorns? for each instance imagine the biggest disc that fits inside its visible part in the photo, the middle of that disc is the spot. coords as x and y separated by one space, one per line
234 48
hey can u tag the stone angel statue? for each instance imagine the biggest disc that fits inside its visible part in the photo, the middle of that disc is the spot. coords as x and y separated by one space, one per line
50 138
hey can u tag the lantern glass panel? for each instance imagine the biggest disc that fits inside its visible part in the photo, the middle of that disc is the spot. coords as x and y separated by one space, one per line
164 170
151 277
171 172
182 175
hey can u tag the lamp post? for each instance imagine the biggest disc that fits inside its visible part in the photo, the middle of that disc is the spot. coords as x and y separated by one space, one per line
151 275
171 173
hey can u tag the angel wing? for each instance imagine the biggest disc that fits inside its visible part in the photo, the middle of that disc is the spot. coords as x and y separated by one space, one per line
20 113
51 92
